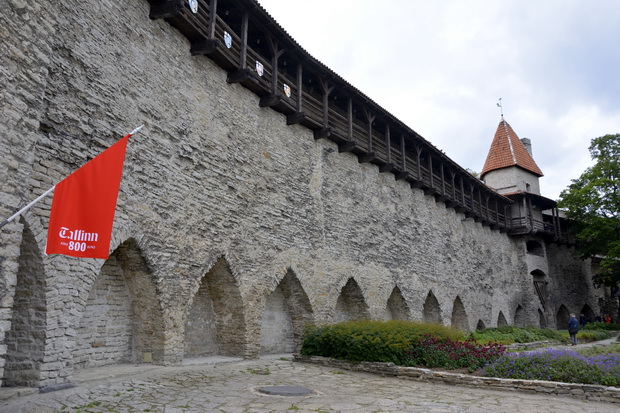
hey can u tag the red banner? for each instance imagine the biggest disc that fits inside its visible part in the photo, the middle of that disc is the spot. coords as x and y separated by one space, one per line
84 204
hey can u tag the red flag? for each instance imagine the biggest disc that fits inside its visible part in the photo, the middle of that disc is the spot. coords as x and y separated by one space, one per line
84 204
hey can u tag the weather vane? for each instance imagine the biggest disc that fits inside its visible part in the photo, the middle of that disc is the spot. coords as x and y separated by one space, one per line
501 109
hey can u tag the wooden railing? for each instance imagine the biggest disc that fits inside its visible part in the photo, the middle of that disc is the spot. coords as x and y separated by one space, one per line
524 224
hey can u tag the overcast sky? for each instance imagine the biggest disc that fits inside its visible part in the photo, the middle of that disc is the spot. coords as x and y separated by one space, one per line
441 66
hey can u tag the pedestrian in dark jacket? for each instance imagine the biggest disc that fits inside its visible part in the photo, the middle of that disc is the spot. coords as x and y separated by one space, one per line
573 328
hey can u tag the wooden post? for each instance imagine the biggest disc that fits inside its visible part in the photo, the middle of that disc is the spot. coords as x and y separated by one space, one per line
325 131
243 73
274 96
212 18
430 169
388 166
299 115
403 154
350 119
208 44
370 118
243 52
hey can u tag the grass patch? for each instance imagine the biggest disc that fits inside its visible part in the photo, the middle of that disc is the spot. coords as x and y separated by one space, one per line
600 350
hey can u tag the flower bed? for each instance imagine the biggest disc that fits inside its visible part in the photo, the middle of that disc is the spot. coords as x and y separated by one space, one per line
558 365
453 354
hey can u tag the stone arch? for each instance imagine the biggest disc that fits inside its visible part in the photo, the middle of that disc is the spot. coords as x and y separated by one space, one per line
459 316
501 320
480 325
122 321
287 314
562 318
351 304
535 248
520 320
215 324
587 311
542 320
25 340
431 311
397 308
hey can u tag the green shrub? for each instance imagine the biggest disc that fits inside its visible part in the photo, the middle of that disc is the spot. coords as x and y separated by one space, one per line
371 340
601 326
512 334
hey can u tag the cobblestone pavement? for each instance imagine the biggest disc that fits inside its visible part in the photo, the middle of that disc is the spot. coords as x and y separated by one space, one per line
232 387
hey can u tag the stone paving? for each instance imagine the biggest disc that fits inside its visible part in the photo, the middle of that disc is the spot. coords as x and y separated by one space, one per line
232 386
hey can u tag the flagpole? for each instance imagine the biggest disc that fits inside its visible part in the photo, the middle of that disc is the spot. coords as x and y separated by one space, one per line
27 207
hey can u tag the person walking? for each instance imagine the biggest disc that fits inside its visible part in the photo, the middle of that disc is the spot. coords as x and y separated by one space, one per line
573 328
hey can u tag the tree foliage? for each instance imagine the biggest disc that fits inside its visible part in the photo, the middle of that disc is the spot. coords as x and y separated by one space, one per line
592 204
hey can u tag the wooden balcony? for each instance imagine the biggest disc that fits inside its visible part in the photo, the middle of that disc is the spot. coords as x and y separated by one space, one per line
258 54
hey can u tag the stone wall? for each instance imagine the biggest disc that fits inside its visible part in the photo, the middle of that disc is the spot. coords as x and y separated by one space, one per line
570 282
221 204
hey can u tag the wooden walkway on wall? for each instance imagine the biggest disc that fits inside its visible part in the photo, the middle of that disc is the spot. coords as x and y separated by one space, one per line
243 39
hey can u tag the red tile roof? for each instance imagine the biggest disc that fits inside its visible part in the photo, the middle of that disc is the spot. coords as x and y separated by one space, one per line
507 150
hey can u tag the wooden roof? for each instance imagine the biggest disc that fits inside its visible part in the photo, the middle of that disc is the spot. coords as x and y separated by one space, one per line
507 150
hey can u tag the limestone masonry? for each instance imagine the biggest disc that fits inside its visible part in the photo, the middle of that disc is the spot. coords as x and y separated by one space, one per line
234 231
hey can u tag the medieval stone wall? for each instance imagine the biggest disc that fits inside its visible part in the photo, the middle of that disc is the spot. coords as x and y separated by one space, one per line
570 284
220 206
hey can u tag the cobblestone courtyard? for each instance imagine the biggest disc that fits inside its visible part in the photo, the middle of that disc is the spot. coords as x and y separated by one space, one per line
232 386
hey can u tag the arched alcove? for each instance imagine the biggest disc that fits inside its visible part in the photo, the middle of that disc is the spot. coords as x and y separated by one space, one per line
25 340
480 325
396 308
201 326
276 331
287 314
351 304
587 311
122 321
431 312
501 320
562 318
459 317
216 322
520 320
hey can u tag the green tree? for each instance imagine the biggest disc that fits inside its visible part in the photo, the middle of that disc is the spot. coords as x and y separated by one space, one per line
592 204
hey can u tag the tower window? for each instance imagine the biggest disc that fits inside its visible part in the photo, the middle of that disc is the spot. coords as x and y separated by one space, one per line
534 247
